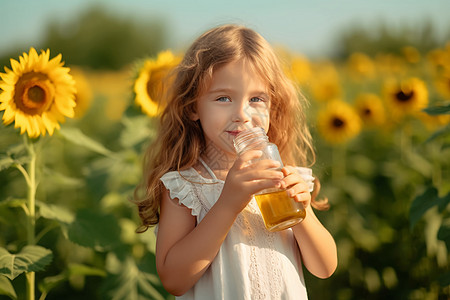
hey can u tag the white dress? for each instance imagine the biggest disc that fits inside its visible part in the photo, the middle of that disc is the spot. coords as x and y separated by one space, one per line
252 262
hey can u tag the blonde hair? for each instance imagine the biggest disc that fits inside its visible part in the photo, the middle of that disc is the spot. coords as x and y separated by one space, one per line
184 137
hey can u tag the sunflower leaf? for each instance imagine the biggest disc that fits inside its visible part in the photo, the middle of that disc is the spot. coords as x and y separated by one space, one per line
49 283
29 259
94 230
77 137
438 110
440 132
133 282
6 162
6 288
444 279
136 130
422 204
55 212
444 233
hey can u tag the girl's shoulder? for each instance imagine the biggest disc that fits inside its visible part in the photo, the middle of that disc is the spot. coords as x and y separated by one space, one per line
190 189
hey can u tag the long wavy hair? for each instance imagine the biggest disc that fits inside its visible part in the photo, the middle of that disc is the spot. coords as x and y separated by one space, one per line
180 140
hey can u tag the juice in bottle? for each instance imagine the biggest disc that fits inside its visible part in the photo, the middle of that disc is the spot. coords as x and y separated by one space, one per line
279 211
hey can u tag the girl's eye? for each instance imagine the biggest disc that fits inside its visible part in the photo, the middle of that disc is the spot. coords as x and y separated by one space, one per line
223 99
256 99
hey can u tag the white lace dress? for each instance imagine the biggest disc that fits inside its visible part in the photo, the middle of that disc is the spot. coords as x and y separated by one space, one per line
252 263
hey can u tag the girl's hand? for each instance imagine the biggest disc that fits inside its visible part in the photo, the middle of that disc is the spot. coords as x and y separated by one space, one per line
296 186
245 179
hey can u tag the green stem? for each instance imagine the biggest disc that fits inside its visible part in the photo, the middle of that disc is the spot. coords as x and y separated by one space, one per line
31 216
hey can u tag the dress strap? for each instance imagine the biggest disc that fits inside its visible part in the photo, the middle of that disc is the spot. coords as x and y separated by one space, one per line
207 168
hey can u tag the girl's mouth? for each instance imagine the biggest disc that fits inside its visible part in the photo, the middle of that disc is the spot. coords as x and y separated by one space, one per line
233 132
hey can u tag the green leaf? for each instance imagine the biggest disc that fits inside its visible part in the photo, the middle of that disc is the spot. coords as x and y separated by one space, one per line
6 288
136 130
438 110
29 259
6 162
443 202
79 269
61 180
131 283
444 279
12 202
444 234
422 203
49 283
77 137
94 230
438 133
55 212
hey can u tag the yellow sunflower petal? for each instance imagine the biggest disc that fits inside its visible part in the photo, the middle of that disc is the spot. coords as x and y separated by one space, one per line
15 65
152 83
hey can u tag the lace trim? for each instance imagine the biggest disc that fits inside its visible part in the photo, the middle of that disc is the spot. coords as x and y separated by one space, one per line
264 264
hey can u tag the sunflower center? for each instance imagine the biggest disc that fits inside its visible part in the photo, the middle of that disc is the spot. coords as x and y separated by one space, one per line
367 112
404 96
338 122
34 93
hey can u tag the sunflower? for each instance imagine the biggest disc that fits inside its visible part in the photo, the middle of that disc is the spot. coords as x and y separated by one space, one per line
338 122
83 97
411 54
370 109
390 64
37 94
440 58
360 66
300 69
152 81
442 82
325 82
406 97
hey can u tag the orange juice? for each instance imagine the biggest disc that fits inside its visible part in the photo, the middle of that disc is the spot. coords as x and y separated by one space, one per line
279 211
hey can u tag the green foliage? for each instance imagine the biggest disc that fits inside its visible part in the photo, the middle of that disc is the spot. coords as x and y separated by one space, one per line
102 40
389 190
29 259
386 38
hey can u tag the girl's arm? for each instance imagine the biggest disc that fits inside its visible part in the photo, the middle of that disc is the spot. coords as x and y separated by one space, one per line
317 246
185 250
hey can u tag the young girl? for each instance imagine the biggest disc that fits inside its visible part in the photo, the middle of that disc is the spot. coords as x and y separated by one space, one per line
211 240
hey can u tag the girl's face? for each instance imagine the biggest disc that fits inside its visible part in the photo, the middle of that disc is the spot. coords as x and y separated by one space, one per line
235 100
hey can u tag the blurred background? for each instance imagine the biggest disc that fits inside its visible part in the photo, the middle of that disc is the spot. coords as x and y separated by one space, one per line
369 69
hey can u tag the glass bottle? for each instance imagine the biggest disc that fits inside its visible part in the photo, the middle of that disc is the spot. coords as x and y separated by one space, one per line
279 211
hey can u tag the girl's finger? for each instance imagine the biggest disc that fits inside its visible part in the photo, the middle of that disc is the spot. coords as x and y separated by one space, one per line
287 170
304 198
261 174
292 179
243 159
265 164
296 188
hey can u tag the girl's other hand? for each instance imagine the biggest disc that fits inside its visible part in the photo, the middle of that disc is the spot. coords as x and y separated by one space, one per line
295 186
245 179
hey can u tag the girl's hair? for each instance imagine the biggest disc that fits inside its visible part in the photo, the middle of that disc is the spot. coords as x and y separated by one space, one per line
180 140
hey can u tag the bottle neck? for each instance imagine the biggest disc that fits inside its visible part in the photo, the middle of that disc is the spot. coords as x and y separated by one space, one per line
251 139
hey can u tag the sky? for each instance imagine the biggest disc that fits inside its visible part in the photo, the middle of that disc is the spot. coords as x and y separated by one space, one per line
306 26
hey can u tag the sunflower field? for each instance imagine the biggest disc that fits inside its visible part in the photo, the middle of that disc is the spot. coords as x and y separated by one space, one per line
72 140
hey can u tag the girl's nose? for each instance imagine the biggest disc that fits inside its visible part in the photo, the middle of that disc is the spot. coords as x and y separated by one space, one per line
242 114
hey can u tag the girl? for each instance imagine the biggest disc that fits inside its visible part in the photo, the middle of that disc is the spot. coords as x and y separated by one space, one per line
211 240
